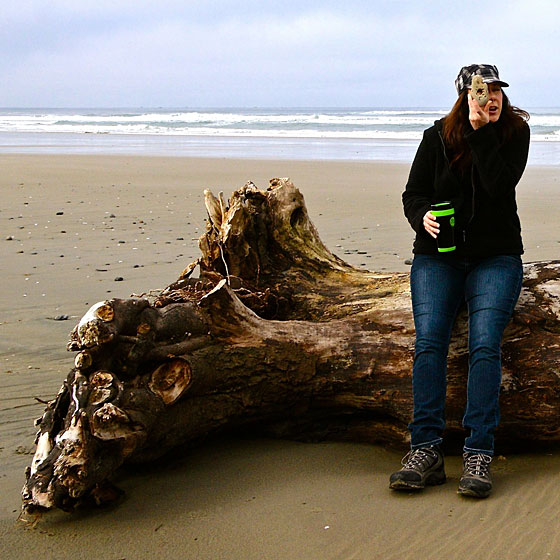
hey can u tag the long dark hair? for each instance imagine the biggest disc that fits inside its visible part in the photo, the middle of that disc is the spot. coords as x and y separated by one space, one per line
456 124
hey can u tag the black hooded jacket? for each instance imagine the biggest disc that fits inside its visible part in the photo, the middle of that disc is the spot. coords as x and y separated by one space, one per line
486 220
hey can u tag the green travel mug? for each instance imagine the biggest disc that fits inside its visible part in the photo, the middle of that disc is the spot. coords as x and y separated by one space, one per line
444 213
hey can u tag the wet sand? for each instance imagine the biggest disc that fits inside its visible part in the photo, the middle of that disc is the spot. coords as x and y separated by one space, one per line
79 229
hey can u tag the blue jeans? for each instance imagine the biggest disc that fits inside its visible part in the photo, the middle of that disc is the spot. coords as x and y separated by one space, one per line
439 284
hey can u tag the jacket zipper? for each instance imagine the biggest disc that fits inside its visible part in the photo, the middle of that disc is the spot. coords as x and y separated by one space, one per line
472 184
472 204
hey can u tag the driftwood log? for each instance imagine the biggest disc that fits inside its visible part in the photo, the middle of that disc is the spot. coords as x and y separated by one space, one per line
277 334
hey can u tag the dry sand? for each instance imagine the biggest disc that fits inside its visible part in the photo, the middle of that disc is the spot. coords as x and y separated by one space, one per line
72 225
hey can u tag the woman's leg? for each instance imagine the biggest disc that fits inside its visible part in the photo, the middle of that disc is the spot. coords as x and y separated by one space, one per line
491 291
437 292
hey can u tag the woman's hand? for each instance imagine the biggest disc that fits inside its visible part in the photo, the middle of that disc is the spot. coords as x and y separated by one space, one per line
478 116
430 224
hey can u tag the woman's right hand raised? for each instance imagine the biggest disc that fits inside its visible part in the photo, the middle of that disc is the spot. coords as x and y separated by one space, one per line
430 224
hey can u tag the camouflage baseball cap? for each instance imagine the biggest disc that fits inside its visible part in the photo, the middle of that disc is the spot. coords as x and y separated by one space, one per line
488 72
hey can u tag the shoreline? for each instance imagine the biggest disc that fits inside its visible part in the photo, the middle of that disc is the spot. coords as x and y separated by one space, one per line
79 222
289 148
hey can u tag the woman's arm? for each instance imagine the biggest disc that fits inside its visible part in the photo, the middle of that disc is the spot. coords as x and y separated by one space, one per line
499 167
417 197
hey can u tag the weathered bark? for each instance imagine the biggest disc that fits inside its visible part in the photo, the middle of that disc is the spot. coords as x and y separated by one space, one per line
278 334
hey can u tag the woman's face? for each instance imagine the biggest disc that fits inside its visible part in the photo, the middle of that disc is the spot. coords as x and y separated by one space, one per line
495 99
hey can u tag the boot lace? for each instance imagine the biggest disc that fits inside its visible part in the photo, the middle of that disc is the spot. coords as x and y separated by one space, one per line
419 459
477 464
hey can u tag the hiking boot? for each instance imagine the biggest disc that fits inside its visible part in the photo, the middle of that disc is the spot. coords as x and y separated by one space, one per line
476 480
421 467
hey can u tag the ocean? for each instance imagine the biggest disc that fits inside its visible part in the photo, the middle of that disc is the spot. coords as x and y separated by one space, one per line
387 134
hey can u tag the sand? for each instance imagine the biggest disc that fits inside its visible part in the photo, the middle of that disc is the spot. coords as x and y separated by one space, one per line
79 229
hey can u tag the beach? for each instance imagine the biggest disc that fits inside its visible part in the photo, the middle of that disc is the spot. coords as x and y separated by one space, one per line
77 229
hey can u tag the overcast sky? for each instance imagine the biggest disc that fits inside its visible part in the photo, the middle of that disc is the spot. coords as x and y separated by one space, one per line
280 53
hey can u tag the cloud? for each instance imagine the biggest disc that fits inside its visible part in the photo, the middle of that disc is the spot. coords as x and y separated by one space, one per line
225 53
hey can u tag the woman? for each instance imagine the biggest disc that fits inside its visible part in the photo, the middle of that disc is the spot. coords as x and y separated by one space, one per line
474 158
